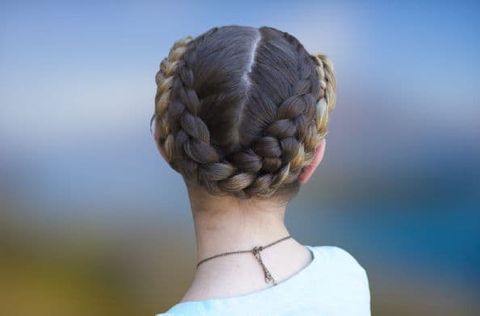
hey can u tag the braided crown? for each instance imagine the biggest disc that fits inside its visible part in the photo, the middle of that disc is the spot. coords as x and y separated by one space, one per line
273 159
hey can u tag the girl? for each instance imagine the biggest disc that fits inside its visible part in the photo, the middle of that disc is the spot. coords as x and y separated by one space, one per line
242 114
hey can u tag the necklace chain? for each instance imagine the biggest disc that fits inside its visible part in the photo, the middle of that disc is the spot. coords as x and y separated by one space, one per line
256 252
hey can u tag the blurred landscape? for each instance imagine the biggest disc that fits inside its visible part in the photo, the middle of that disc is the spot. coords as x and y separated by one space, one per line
94 222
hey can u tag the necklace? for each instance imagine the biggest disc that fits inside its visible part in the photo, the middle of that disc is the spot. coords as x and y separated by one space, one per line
256 252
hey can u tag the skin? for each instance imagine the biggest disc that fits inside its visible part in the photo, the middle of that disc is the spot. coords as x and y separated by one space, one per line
224 224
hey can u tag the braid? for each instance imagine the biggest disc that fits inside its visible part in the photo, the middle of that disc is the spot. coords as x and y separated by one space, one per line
164 79
183 135
328 84
273 158
282 146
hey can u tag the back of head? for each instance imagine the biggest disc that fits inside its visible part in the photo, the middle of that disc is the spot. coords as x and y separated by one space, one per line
240 110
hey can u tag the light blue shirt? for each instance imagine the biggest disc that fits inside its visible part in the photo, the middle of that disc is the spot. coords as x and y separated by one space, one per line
332 284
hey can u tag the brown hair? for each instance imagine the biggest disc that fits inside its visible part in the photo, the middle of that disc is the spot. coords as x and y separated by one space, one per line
240 110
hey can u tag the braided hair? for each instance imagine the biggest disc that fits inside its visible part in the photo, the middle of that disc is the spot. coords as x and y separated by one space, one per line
240 110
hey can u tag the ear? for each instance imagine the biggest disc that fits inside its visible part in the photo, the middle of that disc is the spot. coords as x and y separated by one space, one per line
308 171
156 137
160 149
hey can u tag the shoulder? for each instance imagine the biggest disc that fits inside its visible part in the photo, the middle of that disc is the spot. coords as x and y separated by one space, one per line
339 262
186 308
339 256
343 280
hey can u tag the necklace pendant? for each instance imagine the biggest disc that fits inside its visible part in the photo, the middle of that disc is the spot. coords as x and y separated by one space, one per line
268 276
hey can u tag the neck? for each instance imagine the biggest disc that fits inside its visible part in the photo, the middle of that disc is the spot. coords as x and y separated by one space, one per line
224 224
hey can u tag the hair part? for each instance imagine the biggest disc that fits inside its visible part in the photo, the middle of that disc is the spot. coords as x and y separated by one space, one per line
241 110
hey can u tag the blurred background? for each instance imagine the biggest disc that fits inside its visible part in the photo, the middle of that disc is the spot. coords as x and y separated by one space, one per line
94 222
